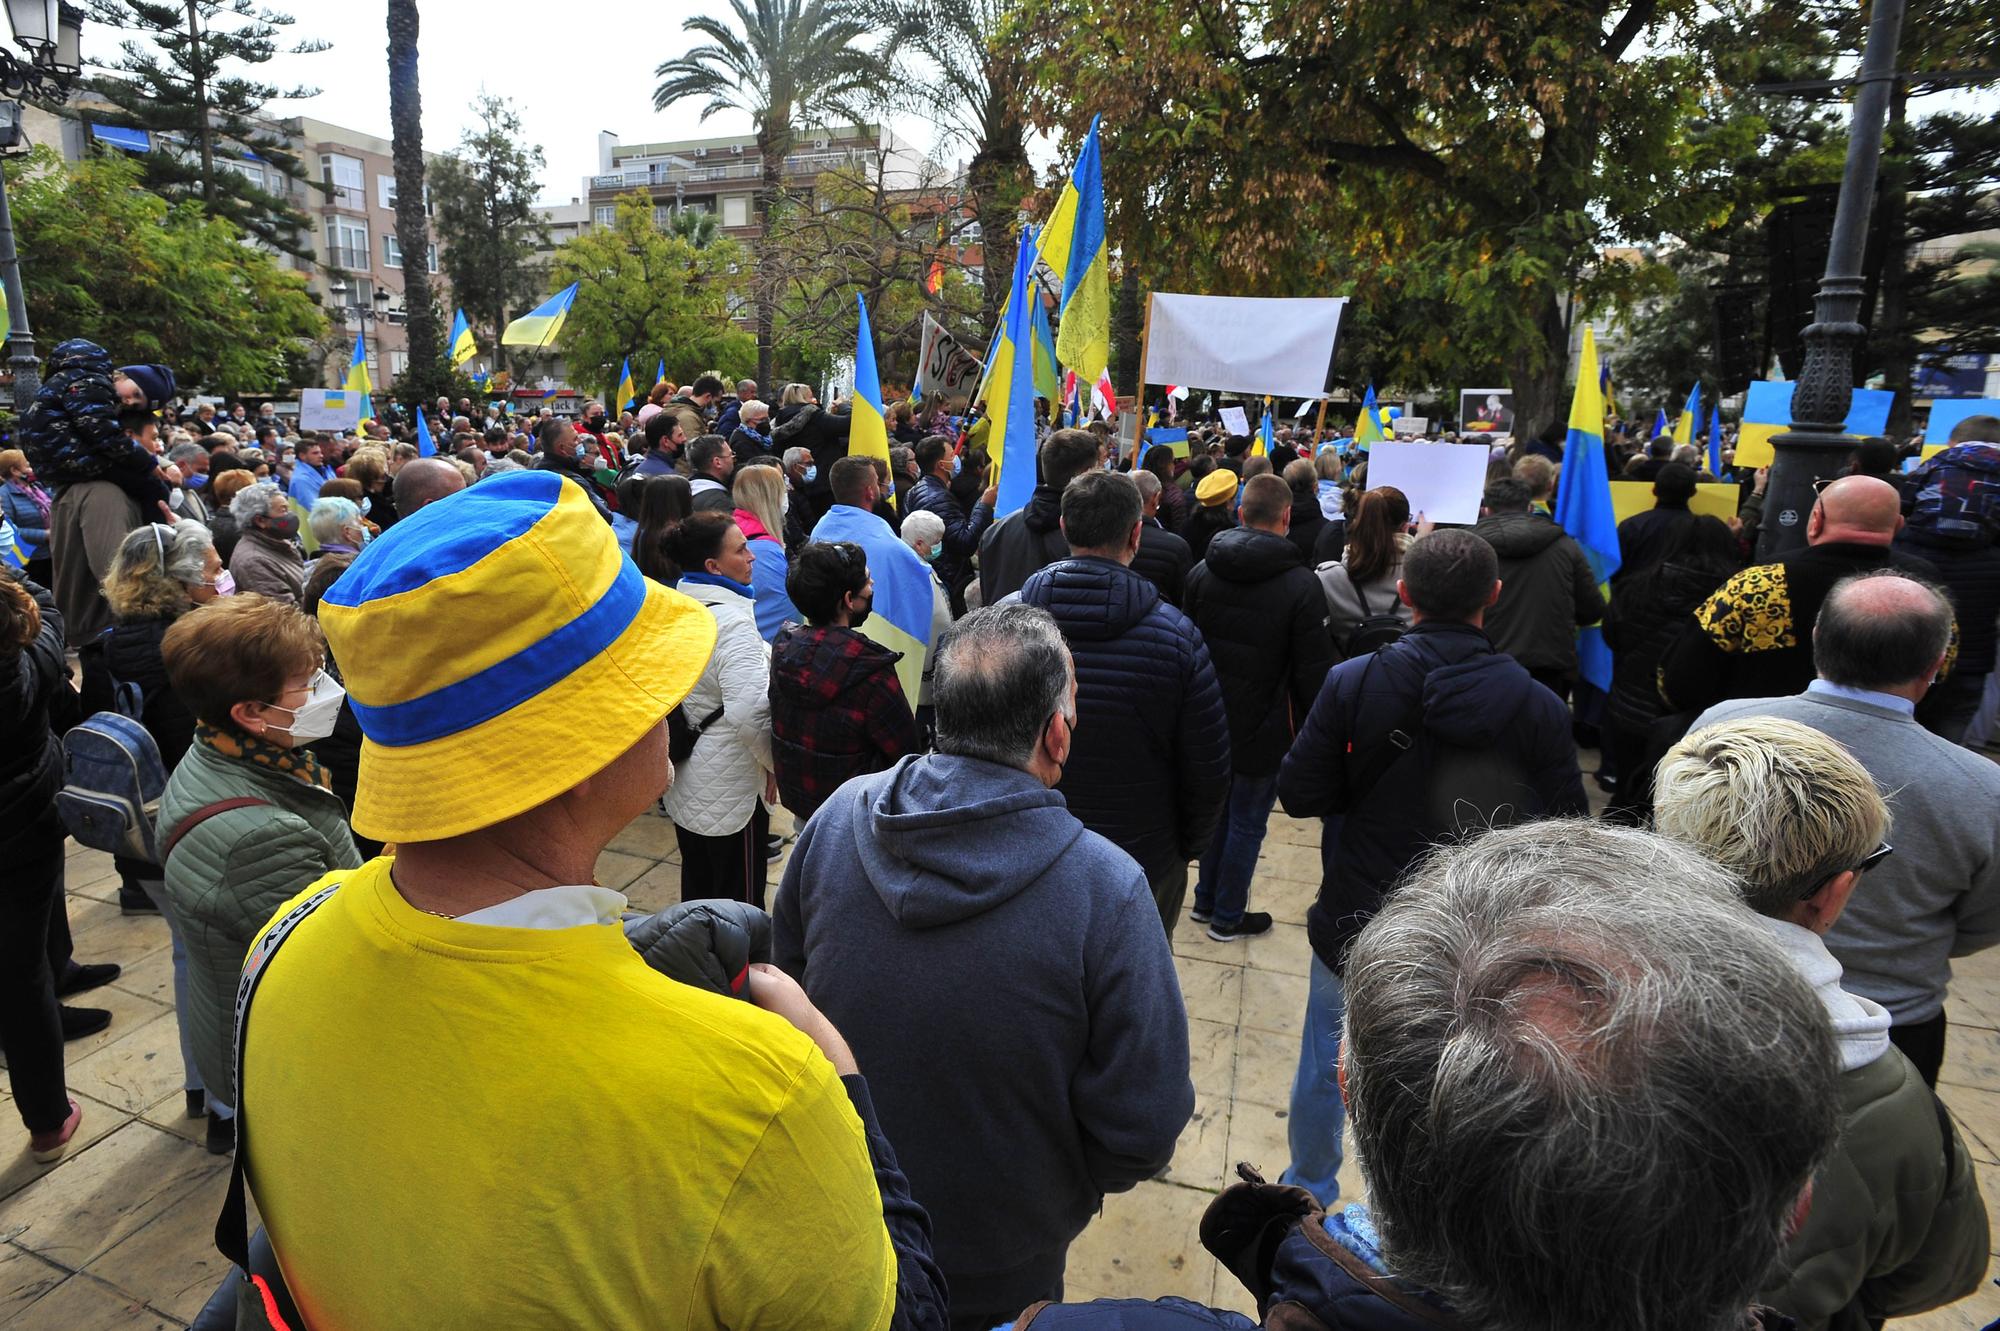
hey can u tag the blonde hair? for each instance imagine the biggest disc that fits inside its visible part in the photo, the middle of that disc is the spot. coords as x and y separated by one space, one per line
228 484
796 394
155 563
1778 804
760 489
368 466
11 458
1538 473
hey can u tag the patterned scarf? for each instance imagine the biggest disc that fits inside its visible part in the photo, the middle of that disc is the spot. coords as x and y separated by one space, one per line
298 764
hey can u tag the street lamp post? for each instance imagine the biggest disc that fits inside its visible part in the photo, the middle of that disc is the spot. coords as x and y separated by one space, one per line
51 32
338 290
1816 443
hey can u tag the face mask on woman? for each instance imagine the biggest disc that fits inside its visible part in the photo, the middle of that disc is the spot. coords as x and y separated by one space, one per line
224 584
313 719
286 526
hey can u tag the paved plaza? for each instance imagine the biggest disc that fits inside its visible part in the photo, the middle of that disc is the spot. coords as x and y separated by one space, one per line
117 1236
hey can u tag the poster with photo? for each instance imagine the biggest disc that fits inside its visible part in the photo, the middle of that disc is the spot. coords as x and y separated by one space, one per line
1486 411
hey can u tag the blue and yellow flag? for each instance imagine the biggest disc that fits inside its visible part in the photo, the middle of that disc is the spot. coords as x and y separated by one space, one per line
1715 442
1685 422
1265 437
11 553
1084 340
628 394
1583 502
1604 386
1368 428
868 426
1010 392
463 348
1047 374
1659 424
426 446
357 379
660 376
539 326
901 618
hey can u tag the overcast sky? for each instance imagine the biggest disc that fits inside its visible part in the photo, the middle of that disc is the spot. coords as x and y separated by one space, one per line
571 67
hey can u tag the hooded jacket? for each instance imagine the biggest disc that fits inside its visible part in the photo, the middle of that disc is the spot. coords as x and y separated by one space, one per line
808 425
1263 617
997 970
837 712
1020 544
1547 591
716 789
1445 683
1150 764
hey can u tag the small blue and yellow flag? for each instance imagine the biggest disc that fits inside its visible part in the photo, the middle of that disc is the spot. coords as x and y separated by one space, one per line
357 379
1084 340
1715 442
1583 502
539 326
660 375
1659 424
868 425
628 392
463 348
1265 436
1684 424
1010 391
426 446
1368 428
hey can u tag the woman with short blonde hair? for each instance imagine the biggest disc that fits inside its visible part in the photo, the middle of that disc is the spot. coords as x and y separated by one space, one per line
761 499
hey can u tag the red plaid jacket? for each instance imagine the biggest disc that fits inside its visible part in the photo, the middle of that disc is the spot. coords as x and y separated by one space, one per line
837 712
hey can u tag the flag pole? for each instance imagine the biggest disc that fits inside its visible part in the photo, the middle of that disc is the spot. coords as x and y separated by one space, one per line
1139 393
1319 424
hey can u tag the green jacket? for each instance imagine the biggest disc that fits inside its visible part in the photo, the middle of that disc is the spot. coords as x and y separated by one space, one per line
228 876
1897 1224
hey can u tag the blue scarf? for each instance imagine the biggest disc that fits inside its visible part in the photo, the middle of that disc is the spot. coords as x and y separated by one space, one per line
1354 1229
742 589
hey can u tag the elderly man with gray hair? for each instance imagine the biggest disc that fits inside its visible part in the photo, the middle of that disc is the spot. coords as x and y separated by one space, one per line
1897 1224
998 968
1164 558
191 461
1878 645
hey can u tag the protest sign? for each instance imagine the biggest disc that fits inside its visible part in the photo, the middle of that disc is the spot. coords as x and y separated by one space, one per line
1241 344
1413 426
944 367
1767 410
1486 410
1235 420
1947 413
329 409
1445 482
1716 499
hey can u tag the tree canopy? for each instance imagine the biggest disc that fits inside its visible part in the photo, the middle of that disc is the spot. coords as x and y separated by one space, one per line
484 195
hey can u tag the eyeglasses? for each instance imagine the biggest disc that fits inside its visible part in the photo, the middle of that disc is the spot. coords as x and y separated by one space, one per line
1868 861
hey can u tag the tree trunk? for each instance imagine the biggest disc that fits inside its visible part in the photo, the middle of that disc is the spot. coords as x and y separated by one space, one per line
1540 371
772 143
204 133
997 177
425 378
1127 321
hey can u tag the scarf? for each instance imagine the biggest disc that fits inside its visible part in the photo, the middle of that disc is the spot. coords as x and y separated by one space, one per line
37 494
742 589
298 764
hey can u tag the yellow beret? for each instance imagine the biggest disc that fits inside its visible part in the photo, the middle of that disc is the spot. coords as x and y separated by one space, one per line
1218 487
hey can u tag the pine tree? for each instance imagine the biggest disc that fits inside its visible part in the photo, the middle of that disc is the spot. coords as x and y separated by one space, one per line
186 76
484 194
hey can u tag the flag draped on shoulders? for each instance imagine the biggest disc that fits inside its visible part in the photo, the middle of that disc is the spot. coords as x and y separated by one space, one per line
901 618
1583 502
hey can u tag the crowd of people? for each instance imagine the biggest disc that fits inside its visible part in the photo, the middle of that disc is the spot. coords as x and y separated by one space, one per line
1672 1067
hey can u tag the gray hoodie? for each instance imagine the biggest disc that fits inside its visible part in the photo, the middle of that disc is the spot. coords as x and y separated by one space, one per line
1002 977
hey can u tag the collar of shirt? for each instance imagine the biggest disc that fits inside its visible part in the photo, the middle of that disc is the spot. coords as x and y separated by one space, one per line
1869 696
563 907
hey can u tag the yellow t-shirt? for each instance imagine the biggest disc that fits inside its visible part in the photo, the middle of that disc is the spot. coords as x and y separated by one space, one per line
464 1126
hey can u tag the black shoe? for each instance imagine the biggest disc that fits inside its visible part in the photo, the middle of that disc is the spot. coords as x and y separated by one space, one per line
1200 916
131 901
1606 782
77 1022
221 1135
197 1103
774 848
82 979
1254 922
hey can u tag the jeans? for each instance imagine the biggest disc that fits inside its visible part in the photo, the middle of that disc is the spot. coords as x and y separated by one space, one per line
1318 1116
1231 859
190 1076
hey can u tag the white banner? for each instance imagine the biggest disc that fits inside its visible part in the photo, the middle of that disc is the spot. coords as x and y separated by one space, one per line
329 409
1242 344
1235 420
1444 482
944 366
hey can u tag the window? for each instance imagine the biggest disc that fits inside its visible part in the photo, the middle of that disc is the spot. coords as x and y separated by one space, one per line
663 216
392 252
399 361
360 294
431 258
606 215
385 190
344 172
347 243
736 210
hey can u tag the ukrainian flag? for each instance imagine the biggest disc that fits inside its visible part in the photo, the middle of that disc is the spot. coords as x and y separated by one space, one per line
1659 424
1684 424
1715 442
463 348
1583 502
1368 429
901 619
426 446
1010 392
1047 374
660 376
1084 343
1265 437
868 426
628 393
539 326
10 545
357 379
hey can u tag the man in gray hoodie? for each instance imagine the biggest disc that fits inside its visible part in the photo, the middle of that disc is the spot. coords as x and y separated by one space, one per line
1018 1017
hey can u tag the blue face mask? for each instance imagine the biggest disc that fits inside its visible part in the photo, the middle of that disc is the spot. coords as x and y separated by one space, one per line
812 474
957 464
932 557
196 481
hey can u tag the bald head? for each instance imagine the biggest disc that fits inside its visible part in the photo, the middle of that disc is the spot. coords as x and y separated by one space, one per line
1884 631
425 481
1864 510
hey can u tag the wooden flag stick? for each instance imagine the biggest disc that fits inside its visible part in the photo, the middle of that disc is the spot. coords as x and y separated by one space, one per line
1145 332
1319 424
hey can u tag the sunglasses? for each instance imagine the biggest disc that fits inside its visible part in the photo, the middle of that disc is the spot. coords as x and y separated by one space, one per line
1869 861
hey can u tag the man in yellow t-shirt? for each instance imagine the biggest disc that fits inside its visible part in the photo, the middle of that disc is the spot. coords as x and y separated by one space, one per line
466 1101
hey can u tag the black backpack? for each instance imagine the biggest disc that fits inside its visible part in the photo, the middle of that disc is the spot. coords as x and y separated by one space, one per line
1461 790
682 736
1373 632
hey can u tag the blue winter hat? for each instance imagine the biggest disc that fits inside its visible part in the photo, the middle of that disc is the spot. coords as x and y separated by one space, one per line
156 380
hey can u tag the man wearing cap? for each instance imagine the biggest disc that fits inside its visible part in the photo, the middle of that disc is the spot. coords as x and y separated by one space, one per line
465 1099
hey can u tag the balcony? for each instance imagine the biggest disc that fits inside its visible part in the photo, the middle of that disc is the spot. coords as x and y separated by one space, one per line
339 196
353 260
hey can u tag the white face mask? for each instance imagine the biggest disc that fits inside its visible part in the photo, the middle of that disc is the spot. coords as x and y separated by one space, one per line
313 719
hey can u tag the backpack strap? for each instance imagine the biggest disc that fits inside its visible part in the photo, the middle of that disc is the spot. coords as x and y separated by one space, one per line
202 815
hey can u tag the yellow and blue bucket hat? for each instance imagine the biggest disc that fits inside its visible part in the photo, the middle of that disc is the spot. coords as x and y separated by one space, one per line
499 648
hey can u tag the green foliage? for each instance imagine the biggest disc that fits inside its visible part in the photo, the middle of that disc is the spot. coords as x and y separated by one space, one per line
186 76
150 280
649 294
484 195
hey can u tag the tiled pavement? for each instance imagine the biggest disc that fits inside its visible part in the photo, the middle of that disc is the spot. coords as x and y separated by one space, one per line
116 1237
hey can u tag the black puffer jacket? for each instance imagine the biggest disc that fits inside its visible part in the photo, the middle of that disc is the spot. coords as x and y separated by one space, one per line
30 761
1970 574
1150 765
1447 679
808 425
1163 560
1263 615
1547 591
1645 616
1019 544
132 654
1308 523
962 531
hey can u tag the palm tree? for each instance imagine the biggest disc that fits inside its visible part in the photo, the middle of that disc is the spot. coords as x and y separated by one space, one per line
963 70
425 376
698 229
792 64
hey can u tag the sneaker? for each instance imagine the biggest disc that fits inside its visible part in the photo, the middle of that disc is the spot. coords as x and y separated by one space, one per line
774 848
1254 922
197 1103
221 1135
49 1146
82 979
131 901
77 1022
1201 914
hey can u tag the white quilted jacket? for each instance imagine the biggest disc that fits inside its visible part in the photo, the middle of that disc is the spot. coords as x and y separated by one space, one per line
717 788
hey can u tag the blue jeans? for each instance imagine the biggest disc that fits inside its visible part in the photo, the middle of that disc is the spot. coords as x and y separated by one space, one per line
1231 857
1317 1115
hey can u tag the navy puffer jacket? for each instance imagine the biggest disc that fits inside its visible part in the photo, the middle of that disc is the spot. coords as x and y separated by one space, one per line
1150 764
